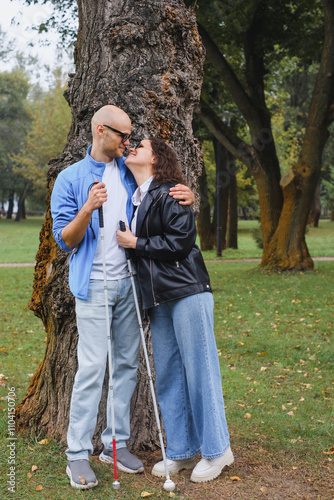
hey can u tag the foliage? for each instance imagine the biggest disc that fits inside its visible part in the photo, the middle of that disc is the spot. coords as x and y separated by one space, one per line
14 123
63 19
51 118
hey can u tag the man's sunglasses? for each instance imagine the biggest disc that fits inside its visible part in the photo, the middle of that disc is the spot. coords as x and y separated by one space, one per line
125 137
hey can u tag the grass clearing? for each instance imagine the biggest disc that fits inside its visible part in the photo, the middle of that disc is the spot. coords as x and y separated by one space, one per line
274 334
19 241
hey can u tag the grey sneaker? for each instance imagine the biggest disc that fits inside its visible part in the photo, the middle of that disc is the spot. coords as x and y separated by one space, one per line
173 466
125 460
81 475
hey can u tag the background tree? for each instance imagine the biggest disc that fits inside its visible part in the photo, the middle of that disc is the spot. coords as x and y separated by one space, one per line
14 123
148 61
263 32
47 135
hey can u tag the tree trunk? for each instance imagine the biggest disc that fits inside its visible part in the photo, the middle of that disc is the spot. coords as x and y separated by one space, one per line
145 57
222 194
21 211
10 204
206 231
315 207
232 219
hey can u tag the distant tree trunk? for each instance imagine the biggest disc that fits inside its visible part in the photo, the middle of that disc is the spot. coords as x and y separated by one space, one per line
316 207
232 220
205 228
222 190
21 211
146 58
10 204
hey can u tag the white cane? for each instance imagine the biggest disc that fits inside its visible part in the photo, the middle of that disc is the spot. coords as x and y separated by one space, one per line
116 484
169 485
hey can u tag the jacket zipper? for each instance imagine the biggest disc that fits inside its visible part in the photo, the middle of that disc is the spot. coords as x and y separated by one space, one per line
151 273
90 225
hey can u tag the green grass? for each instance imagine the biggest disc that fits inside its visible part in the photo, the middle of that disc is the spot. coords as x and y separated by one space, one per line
274 335
320 242
19 240
275 332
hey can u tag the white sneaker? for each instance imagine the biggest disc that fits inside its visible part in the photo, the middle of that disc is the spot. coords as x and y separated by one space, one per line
208 469
173 466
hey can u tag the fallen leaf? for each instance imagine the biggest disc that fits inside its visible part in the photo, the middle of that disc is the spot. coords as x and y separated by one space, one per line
145 494
283 407
240 343
33 468
82 480
248 415
44 441
30 375
29 475
2 349
263 368
235 478
39 487
171 494
290 413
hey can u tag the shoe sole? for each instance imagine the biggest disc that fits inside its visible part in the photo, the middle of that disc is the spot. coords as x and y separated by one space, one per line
204 479
108 460
77 485
188 466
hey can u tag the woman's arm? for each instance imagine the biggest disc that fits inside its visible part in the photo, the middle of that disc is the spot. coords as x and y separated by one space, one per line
177 237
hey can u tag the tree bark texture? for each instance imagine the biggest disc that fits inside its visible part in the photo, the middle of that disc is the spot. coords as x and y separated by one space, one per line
145 57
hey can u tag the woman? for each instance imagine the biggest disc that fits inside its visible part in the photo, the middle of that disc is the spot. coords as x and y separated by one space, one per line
176 292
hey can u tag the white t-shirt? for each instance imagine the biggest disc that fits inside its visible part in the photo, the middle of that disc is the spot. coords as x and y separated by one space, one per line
114 210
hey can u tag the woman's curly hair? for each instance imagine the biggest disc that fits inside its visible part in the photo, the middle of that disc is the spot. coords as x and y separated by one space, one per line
165 166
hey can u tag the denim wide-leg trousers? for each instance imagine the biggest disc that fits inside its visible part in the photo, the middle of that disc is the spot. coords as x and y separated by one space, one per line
188 378
92 360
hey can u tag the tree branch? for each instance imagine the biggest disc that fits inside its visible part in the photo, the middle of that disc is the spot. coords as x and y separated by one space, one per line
223 134
228 76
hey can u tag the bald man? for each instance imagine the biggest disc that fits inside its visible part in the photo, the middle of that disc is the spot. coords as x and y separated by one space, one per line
101 178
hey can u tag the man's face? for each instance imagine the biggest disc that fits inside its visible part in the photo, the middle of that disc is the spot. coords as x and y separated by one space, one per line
114 142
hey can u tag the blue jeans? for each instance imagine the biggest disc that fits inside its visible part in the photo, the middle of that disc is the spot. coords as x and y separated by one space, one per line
188 377
92 359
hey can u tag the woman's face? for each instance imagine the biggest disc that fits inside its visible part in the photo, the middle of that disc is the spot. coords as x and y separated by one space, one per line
141 156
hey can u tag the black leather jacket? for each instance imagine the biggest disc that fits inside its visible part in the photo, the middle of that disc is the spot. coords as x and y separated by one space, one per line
168 263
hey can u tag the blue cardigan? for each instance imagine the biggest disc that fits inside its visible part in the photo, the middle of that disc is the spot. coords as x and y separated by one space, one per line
69 193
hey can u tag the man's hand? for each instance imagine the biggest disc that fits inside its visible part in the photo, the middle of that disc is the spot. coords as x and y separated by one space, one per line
126 239
75 231
182 193
96 196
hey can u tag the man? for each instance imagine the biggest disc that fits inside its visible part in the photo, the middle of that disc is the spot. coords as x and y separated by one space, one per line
101 178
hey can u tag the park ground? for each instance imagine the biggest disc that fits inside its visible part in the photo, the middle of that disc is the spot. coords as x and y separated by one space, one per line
275 341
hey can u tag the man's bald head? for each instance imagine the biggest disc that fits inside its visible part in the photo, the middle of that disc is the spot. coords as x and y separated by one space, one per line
112 116
111 128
